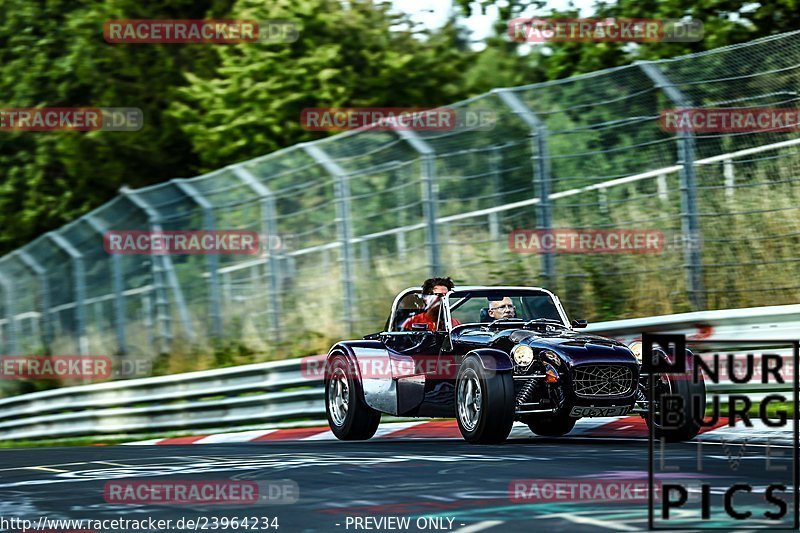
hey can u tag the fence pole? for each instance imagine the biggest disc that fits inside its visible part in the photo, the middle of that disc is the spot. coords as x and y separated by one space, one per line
117 286
541 169
270 229
11 319
341 191
209 224
690 222
44 291
430 196
496 164
147 318
162 264
79 275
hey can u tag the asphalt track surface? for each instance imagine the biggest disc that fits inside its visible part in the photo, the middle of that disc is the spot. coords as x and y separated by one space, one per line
339 481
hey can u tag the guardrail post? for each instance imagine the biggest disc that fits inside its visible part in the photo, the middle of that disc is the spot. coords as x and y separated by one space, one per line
11 319
602 200
730 179
44 291
341 191
270 229
690 222
161 263
430 196
209 224
663 191
79 275
401 245
117 286
541 169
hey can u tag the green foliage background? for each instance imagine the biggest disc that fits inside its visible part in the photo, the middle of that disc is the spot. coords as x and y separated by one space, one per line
209 106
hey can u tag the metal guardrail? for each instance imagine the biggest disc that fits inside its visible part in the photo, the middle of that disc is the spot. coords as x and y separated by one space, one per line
278 391
236 396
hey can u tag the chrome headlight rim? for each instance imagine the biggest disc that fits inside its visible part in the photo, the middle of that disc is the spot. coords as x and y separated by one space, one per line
522 355
636 348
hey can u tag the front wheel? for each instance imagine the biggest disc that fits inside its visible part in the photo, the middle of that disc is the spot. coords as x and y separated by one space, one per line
552 427
349 417
484 403
680 404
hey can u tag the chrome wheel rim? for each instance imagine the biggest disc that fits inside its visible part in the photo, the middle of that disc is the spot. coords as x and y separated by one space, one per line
469 399
663 387
338 396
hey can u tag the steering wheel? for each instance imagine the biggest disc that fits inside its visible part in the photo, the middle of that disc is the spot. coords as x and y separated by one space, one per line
426 336
499 321
544 321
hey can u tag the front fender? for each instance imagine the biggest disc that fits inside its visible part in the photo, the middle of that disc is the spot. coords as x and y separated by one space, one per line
378 390
350 350
492 359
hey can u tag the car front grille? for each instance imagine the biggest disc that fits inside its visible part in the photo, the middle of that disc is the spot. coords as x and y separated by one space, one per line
602 381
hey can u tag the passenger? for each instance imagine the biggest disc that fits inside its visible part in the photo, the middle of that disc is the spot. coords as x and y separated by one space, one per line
433 290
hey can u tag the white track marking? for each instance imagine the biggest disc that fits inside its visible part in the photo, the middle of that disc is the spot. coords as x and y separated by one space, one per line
239 436
480 526
585 520
387 429
322 435
46 469
111 464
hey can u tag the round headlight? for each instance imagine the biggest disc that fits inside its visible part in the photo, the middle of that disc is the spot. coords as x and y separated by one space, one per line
636 348
523 355
552 357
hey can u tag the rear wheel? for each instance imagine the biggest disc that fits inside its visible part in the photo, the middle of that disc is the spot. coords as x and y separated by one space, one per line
349 417
552 427
484 403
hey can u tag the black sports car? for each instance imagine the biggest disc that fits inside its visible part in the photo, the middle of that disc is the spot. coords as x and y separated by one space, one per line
489 356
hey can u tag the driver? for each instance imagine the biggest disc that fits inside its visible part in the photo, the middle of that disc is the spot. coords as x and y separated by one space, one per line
433 290
502 309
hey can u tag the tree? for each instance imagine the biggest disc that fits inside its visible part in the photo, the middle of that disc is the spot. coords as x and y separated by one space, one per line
725 22
349 54
53 54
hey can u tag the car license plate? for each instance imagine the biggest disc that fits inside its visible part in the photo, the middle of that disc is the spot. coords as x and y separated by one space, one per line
578 411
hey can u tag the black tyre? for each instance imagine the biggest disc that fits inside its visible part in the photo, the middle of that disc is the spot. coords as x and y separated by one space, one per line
348 416
685 404
552 426
484 403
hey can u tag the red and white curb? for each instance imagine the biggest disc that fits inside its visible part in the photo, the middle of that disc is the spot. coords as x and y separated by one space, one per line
622 427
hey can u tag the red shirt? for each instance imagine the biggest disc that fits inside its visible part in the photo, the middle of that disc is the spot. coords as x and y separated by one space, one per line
423 318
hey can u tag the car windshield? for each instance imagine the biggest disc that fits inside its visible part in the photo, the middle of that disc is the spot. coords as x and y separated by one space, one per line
487 305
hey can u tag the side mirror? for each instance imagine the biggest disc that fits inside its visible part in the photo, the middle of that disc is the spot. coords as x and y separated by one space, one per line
579 323
419 327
